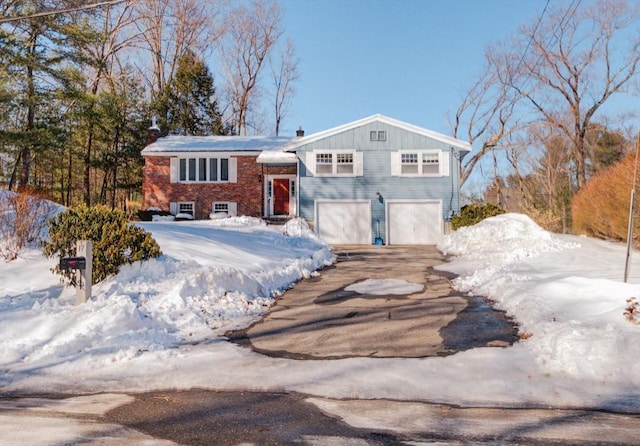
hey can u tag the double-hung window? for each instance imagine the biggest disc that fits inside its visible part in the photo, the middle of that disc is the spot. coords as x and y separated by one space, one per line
324 163
420 163
344 163
409 163
430 163
335 163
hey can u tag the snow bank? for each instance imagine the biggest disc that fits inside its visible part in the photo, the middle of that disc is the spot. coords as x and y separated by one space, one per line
214 276
576 323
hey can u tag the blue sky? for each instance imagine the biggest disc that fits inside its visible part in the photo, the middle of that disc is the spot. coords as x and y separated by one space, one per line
411 60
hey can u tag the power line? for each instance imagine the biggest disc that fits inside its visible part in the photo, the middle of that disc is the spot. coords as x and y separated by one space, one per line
533 33
60 11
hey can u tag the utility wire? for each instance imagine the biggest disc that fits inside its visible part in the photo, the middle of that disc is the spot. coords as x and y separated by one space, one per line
60 11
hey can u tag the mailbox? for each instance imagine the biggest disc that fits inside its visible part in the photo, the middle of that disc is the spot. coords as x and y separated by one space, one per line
70 263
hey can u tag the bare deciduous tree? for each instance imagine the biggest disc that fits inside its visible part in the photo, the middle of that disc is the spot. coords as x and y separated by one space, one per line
285 73
170 29
564 67
576 60
485 115
250 36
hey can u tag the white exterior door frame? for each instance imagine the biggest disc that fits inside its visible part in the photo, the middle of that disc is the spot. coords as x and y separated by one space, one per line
268 193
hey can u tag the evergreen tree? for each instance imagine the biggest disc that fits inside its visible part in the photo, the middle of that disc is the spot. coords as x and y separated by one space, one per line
192 106
41 79
606 147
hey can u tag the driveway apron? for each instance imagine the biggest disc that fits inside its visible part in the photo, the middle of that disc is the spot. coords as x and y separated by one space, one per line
319 319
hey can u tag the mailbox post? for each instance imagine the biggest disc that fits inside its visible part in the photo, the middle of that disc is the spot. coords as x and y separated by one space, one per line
82 265
84 248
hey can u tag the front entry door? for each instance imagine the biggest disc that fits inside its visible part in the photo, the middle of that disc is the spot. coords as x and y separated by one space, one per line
281 196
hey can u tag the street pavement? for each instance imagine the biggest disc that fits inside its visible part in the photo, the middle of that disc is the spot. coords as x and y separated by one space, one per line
319 319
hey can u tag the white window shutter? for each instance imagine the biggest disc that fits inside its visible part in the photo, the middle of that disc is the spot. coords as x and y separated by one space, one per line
233 208
395 164
233 170
311 164
358 160
444 164
173 170
173 207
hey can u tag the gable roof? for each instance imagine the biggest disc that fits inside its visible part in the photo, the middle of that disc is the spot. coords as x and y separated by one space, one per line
460 145
184 144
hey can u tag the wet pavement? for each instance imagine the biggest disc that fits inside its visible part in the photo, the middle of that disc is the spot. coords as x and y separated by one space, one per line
322 318
203 418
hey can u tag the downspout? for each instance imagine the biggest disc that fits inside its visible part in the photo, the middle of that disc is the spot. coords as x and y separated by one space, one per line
297 197
264 181
451 212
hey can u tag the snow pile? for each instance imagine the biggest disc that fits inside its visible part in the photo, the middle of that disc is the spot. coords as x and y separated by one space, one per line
576 323
380 287
210 280
493 246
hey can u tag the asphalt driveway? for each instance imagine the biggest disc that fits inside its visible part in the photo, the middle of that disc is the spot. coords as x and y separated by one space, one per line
319 318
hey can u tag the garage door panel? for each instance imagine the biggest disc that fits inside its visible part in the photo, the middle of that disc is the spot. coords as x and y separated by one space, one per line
344 222
414 223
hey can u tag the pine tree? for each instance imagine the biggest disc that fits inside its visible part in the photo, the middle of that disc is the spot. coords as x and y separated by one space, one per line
41 81
192 105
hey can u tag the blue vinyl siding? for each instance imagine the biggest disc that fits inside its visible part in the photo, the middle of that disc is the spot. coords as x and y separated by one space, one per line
377 173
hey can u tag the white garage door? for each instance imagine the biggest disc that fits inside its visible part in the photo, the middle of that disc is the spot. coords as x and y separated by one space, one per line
414 223
344 222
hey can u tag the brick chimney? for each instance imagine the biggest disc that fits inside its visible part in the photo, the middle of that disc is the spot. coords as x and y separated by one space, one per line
153 132
300 132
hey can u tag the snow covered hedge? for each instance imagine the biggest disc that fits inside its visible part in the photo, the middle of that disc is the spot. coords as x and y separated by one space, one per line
115 242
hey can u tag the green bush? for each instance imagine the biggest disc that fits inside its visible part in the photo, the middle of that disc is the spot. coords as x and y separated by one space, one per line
475 213
115 242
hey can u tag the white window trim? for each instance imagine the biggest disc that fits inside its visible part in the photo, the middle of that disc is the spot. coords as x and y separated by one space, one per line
358 163
174 207
443 163
232 207
174 174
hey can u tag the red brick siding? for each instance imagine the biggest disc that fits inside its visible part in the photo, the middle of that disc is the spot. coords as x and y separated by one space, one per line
247 192
279 170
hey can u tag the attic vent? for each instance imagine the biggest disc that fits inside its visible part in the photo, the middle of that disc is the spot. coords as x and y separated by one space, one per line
380 135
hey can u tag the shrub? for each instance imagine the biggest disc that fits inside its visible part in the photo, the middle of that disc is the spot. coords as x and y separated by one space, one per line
115 242
475 213
23 220
601 207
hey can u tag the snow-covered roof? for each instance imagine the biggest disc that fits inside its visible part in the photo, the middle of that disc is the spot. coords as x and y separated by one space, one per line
277 157
182 144
456 143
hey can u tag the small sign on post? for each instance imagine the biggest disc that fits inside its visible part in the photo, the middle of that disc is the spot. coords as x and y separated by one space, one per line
84 248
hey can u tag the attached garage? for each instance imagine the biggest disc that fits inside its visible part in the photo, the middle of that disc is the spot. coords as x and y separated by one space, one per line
414 222
344 221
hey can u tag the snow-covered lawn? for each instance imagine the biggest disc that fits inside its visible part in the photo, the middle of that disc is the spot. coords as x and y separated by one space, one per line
157 324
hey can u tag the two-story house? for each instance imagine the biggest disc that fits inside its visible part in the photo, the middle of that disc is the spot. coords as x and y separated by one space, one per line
370 181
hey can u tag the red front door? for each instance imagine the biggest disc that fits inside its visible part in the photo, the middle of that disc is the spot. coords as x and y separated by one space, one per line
281 196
